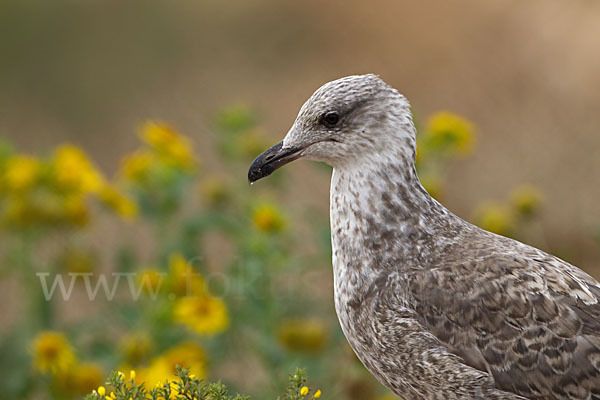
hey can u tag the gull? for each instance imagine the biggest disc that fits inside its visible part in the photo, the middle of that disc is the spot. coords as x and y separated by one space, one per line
433 306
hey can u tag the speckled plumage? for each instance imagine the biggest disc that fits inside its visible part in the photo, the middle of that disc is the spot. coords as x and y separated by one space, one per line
434 307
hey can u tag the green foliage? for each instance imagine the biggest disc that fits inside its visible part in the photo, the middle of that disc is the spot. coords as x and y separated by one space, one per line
5 149
235 119
185 386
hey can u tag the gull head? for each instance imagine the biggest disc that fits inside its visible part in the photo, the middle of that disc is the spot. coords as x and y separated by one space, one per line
350 121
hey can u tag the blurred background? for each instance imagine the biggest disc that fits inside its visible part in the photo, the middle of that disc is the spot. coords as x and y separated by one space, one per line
126 129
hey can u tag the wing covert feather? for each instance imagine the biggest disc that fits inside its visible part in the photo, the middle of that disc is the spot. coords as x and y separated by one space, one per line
532 323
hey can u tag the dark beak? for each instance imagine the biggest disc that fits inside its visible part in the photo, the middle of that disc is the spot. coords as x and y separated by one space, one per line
270 160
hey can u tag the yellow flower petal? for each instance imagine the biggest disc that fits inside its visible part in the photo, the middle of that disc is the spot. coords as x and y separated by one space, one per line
20 172
267 218
187 354
172 147
52 353
205 315
137 165
73 170
495 218
450 133
118 202
183 280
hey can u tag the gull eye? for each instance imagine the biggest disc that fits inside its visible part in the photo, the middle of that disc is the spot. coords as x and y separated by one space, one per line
330 119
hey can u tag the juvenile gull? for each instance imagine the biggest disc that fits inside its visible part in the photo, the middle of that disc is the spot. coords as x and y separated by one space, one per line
434 307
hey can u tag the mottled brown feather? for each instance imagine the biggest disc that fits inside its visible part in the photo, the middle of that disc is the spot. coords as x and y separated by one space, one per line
512 316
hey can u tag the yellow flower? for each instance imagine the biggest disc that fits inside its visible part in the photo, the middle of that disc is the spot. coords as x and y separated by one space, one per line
136 166
526 199
304 391
188 355
101 390
450 133
136 347
317 394
118 202
73 170
20 173
174 389
267 218
184 281
302 335
17 211
75 210
205 315
52 353
171 146
132 375
495 218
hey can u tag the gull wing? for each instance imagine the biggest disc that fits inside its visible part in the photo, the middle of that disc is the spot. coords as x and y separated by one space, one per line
531 321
